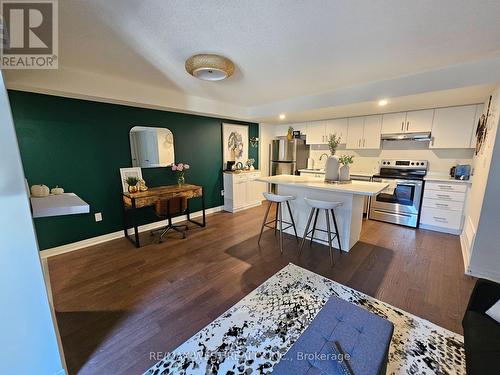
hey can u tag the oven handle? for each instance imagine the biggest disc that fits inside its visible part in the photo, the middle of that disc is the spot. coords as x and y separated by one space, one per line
398 181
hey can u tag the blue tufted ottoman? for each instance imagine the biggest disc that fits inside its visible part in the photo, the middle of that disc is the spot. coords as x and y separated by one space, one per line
340 329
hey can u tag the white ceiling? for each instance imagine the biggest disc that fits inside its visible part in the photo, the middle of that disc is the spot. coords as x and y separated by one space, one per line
282 49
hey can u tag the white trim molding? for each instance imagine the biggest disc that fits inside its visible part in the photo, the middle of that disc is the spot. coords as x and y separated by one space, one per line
467 241
119 234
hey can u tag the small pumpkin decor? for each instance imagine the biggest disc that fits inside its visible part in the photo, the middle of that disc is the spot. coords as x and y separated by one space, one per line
57 190
132 183
40 191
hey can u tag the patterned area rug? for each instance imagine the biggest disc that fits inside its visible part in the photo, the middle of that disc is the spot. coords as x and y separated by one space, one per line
251 336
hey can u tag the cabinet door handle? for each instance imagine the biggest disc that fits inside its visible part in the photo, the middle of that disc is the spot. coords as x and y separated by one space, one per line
363 142
432 141
442 205
438 218
443 196
402 125
447 187
359 142
407 125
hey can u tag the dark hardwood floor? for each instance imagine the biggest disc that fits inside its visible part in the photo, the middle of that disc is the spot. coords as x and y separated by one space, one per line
116 304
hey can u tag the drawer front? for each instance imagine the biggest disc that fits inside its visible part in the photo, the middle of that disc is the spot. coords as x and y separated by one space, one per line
444 195
444 186
253 175
239 178
443 204
441 218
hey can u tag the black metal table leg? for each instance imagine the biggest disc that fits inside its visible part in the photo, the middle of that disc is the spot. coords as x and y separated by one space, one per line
203 223
133 212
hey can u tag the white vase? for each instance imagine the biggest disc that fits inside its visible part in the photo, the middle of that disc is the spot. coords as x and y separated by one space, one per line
344 174
332 168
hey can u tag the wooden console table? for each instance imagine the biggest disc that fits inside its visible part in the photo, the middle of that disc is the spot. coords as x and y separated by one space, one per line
134 201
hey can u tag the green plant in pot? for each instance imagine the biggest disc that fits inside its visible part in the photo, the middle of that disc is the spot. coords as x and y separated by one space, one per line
332 163
345 160
132 182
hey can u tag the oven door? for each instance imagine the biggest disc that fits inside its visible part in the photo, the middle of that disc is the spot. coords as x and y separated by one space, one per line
401 196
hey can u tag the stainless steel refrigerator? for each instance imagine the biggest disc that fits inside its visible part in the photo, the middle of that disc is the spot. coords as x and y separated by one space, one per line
287 157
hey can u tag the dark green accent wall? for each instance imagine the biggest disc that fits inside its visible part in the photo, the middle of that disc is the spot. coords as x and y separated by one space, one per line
81 145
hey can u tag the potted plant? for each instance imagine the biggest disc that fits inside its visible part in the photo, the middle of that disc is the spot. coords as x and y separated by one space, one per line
332 163
345 160
289 135
132 182
180 169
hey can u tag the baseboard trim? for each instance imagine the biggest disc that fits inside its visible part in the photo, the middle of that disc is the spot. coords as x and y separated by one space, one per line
466 242
440 229
119 234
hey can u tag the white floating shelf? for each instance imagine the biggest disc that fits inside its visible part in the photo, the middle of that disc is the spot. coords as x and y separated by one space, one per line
57 205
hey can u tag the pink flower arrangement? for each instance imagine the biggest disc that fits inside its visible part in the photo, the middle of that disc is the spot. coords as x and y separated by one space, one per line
180 168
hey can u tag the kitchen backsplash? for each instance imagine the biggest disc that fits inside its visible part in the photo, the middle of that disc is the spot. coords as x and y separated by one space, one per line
440 160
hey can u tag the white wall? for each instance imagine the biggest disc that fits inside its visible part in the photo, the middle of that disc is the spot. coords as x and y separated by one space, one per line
27 335
440 161
481 237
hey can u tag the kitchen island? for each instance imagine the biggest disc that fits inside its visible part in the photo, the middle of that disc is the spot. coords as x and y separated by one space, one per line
349 215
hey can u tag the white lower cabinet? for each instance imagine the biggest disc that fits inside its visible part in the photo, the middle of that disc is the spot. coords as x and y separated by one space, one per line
443 206
241 191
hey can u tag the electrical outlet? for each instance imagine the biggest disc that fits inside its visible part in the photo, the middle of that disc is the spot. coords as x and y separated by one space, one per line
98 216
222 193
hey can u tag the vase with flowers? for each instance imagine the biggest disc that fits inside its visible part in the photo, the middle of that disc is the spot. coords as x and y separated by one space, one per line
180 169
345 160
332 163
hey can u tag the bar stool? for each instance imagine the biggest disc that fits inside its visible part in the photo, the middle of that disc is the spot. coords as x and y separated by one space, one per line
278 199
317 205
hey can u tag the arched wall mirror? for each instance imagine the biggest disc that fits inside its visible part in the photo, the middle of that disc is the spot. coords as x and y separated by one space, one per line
151 147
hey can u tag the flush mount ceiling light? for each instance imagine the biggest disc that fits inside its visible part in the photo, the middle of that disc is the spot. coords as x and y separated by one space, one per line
382 102
282 116
209 67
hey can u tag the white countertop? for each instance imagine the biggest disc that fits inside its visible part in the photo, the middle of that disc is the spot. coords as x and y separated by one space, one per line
318 183
445 178
56 205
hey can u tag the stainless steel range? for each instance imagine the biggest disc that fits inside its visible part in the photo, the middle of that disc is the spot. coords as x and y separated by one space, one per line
400 202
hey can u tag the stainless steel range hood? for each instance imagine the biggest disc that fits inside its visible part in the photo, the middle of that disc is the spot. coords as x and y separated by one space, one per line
423 136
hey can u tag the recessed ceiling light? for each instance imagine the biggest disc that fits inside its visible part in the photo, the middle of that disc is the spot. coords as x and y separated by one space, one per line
209 67
282 116
382 102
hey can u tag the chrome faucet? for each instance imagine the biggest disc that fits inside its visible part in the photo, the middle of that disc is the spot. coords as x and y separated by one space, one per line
323 154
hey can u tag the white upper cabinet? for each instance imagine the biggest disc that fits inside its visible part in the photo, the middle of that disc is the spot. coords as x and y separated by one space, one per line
393 123
355 132
419 121
315 133
453 127
337 126
479 112
371 132
407 122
